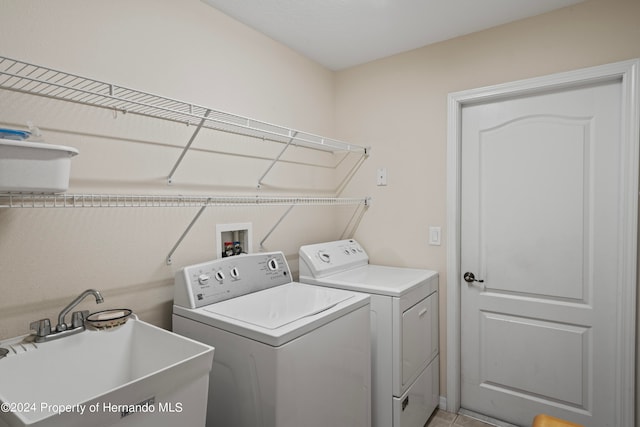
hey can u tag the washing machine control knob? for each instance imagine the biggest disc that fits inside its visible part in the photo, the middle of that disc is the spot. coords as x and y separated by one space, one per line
219 276
234 272
272 264
203 279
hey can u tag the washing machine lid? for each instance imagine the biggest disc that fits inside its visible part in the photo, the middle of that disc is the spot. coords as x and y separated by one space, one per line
379 279
279 306
277 315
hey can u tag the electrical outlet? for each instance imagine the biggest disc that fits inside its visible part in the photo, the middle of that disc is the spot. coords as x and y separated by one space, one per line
381 177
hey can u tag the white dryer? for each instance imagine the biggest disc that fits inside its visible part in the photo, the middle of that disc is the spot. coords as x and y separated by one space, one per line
287 354
404 327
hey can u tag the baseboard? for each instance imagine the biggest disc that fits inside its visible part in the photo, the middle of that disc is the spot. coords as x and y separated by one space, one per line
443 403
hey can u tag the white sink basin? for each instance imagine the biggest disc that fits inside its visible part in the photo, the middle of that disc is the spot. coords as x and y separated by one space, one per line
100 374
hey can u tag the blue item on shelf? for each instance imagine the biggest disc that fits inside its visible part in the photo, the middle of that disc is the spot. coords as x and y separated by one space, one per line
14 134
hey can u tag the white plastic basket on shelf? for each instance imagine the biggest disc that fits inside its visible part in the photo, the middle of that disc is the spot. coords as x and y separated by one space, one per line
34 166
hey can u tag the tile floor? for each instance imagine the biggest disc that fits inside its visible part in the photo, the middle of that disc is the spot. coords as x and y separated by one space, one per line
447 419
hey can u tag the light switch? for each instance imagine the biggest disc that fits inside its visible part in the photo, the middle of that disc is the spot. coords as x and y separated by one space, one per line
434 236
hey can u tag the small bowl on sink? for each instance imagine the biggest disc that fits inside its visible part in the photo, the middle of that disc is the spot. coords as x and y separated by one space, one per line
107 319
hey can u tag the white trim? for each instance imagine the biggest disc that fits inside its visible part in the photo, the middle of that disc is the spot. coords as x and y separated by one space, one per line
453 252
628 71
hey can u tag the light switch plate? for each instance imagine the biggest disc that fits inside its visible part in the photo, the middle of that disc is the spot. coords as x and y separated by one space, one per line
434 236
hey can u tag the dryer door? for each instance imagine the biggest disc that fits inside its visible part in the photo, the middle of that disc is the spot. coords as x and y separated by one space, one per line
419 338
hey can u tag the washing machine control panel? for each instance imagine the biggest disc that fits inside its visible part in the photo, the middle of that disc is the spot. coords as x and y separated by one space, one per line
221 279
322 259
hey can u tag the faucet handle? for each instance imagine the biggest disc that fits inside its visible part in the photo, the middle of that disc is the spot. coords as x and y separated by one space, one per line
42 327
77 318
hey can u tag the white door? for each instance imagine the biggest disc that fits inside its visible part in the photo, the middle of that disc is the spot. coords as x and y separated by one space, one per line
540 225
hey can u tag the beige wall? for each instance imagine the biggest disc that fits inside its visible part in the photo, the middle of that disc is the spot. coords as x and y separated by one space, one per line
399 105
189 51
180 49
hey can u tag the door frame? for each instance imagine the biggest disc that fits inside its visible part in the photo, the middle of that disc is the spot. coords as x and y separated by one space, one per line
627 72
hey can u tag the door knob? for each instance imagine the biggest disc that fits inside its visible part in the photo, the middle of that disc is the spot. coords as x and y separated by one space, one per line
470 278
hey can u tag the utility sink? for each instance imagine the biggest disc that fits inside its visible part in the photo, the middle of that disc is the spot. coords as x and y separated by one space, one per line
132 375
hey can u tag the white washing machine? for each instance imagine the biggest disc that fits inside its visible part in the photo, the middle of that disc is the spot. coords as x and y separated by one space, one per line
287 354
404 327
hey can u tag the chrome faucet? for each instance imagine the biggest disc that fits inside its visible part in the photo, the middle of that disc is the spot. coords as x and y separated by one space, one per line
43 326
63 326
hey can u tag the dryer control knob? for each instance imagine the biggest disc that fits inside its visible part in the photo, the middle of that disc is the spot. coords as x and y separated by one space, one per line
219 276
234 272
203 279
324 256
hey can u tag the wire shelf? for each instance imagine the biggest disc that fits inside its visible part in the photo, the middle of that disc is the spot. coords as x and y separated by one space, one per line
23 77
33 79
38 200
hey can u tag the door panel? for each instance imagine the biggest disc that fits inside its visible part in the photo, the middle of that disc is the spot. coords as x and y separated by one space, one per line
540 222
560 369
532 177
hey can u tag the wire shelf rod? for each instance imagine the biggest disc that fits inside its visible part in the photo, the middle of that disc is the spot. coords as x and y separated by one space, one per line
34 200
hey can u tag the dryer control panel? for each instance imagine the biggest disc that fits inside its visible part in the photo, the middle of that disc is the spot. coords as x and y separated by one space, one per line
221 279
322 259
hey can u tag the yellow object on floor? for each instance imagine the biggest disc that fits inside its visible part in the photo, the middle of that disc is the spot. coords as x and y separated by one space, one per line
543 420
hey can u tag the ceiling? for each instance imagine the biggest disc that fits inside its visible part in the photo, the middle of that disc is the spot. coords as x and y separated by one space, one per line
342 33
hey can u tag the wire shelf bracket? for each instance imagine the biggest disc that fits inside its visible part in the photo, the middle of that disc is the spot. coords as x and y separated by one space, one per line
184 234
186 147
266 236
274 161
